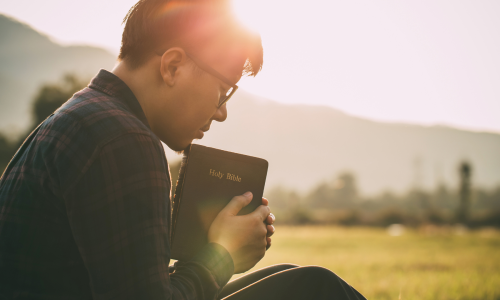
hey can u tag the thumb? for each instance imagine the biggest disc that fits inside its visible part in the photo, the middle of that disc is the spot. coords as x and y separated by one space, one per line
237 203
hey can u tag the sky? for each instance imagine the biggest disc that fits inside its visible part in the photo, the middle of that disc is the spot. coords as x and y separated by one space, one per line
423 61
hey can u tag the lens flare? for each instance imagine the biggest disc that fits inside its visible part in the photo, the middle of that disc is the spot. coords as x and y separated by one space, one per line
248 13
173 7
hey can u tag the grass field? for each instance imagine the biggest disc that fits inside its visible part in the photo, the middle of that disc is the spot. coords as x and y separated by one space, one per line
425 264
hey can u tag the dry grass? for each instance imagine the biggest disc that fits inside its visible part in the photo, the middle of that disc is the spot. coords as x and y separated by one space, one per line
432 263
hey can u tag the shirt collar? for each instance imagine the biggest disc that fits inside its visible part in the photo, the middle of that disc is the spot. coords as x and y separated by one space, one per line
112 85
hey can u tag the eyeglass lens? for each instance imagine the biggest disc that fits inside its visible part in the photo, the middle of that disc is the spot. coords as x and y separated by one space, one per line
224 98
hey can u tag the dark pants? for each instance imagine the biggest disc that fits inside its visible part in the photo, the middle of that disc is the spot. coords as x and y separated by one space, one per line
290 282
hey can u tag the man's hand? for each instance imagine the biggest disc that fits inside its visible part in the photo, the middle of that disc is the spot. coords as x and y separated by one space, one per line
269 221
244 237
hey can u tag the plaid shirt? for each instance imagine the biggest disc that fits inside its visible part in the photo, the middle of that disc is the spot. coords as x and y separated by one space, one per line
85 209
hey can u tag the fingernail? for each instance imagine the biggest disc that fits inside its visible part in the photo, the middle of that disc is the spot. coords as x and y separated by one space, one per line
247 194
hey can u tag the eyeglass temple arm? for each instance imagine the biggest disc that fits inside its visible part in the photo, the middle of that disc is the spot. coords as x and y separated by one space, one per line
212 71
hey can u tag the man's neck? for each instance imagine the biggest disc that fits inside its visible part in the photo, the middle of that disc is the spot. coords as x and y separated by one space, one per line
139 81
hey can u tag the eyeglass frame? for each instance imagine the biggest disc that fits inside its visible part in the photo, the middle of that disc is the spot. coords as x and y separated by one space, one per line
205 67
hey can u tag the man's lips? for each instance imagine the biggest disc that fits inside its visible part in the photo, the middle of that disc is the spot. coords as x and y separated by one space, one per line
201 131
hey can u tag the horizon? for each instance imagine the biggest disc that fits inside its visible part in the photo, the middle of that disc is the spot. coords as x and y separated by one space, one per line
445 78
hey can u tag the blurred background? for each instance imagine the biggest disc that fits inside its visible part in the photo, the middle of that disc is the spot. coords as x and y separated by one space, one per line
380 121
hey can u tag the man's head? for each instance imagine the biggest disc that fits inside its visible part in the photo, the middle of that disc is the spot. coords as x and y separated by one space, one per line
169 50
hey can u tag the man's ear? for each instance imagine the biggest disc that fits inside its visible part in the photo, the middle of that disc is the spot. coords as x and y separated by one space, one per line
171 61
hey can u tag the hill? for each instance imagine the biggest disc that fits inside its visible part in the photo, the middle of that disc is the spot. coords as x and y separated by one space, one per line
28 59
307 144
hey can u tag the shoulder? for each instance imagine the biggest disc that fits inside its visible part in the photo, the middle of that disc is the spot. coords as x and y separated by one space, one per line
88 124
100 116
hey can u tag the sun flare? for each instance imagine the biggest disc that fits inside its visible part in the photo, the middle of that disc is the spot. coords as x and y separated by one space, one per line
248 13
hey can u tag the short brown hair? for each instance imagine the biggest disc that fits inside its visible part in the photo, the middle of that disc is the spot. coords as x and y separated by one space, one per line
191 24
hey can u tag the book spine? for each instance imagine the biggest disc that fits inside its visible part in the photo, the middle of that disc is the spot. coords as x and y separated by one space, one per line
178 193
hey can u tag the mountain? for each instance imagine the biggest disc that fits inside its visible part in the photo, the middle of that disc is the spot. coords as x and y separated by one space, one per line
308 144
303 144
28 59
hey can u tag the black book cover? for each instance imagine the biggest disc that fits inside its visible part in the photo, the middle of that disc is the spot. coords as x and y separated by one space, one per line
208 179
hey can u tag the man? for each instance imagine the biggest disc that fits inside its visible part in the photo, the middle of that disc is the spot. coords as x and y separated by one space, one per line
85 202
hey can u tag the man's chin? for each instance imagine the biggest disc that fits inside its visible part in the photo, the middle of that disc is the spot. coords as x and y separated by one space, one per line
180 147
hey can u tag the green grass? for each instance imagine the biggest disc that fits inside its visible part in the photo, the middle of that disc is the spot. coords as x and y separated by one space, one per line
426 264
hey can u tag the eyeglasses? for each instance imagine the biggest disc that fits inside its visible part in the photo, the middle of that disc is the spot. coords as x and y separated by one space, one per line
233 87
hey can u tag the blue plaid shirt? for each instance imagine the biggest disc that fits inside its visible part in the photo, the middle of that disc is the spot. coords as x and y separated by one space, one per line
85 209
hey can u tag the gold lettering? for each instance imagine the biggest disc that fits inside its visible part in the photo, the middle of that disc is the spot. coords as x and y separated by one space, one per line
233 177
217 174
229 176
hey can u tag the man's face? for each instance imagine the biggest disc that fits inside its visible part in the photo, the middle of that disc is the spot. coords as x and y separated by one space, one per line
192 103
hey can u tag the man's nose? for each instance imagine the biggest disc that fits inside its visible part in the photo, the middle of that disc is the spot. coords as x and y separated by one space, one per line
221 114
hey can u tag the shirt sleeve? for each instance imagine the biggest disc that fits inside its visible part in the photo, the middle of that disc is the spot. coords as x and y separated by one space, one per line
119 213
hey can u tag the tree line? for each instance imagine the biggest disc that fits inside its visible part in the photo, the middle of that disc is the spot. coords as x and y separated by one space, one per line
340 202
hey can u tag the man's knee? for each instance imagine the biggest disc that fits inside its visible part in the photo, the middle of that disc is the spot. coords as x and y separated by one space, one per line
283 267
314 282
319 274
325 283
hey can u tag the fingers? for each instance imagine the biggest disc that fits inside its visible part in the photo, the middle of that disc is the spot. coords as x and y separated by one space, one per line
237 203
268 240
270 219
262 212
270 230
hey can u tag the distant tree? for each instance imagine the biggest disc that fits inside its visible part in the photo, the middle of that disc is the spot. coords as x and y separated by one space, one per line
282 198
352 218
380 201
339 194
321 196
463 212
442 197
392 216
298 215
51 96
487 200
345 189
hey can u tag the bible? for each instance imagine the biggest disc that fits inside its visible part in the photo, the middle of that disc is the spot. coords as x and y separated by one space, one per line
208 179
